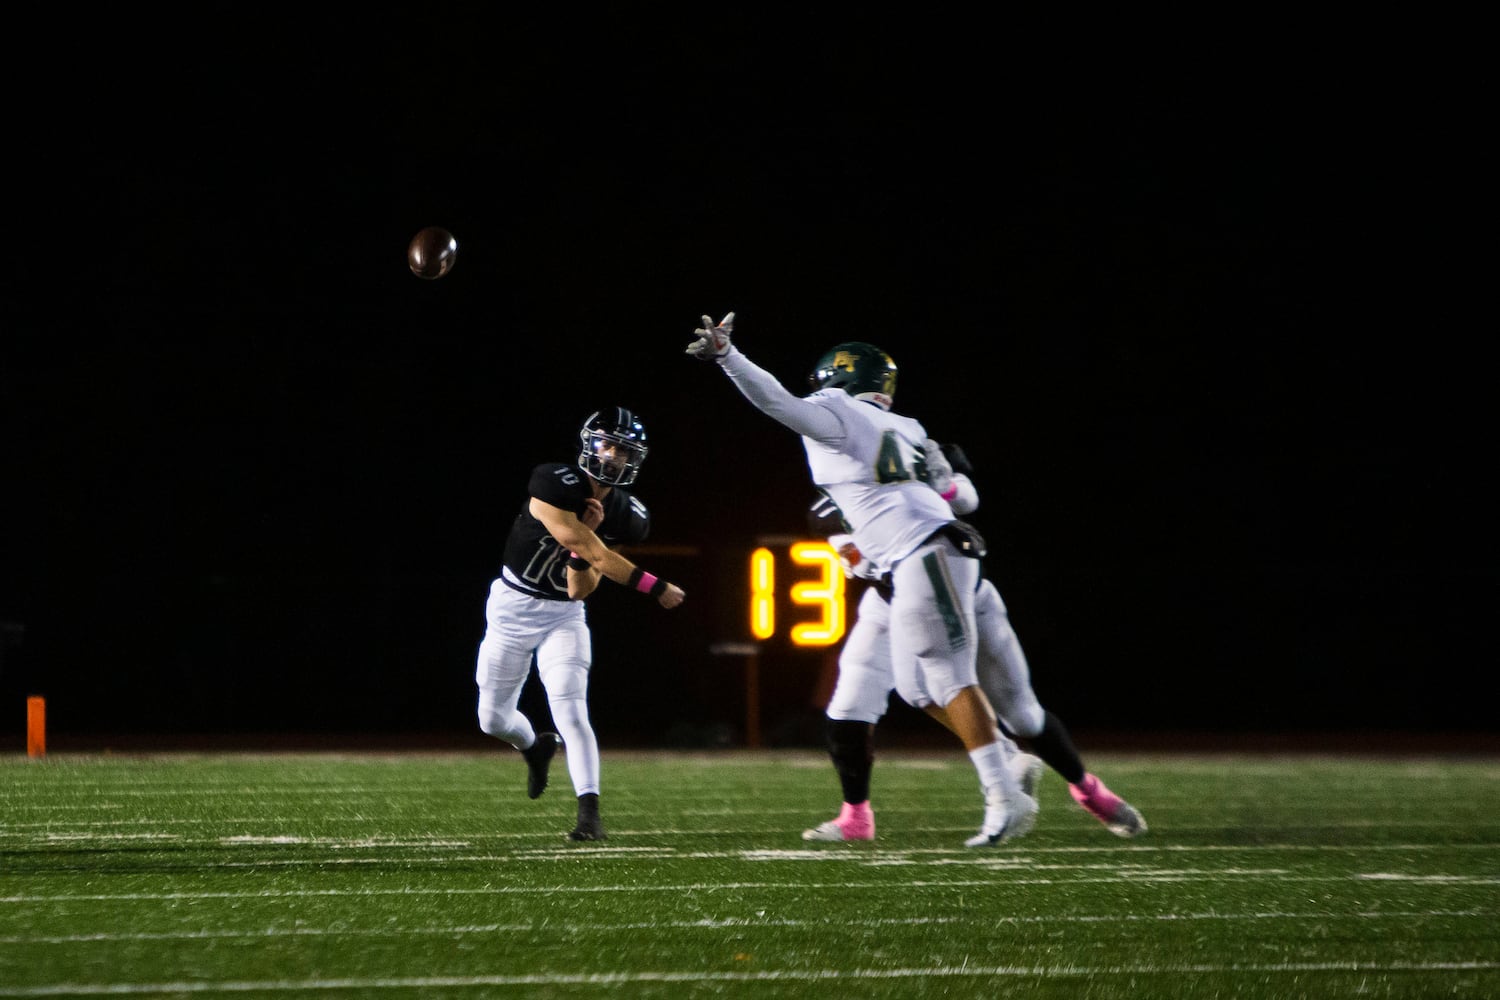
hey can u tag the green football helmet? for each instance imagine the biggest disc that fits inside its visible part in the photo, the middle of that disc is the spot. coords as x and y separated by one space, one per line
862 370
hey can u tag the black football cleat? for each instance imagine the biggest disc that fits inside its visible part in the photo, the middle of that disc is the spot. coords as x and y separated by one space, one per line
591 830
589 827
538 759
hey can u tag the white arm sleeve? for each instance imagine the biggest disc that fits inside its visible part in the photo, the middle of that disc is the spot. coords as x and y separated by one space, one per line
772 398
967 499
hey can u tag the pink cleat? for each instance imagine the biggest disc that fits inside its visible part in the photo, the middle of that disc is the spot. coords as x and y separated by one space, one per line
1117 815
853 823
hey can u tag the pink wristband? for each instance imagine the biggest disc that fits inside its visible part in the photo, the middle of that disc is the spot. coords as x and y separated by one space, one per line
950 493
645 583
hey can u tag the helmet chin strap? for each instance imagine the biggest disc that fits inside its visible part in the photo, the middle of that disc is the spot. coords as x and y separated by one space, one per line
880 399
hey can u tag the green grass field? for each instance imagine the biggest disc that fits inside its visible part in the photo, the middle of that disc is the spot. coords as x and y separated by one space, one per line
432 875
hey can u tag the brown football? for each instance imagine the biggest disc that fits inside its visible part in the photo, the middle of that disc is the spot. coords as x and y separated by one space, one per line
432 252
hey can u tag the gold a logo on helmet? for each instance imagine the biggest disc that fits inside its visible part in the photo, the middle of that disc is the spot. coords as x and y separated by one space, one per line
844 360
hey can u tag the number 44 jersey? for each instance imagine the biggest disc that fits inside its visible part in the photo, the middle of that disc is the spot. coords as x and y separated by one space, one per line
535 563
876 473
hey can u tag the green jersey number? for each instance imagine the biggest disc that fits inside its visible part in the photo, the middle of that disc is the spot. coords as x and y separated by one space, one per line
891 466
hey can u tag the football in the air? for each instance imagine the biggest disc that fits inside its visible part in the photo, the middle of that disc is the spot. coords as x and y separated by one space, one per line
432 253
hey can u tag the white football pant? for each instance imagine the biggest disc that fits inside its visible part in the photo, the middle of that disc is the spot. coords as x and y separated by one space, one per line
932 632
556 632
866 676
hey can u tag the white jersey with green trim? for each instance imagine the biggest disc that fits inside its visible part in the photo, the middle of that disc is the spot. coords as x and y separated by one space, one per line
872 474
869 461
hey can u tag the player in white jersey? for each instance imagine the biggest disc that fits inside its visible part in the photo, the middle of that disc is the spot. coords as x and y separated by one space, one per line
871 463
557 550
866 677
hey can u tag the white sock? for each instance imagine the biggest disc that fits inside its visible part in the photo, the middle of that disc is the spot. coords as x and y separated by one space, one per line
989 761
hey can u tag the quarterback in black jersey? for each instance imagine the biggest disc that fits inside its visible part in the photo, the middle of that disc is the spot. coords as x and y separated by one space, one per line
560 545
536 563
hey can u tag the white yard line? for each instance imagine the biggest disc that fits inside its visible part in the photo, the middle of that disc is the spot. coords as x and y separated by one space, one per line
860 853
265 827
555 926
1262 876
769 975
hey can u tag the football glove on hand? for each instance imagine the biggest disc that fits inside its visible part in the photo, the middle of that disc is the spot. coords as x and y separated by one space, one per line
939 469
713 339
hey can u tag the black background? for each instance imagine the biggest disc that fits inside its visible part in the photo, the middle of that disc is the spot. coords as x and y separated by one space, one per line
1195 310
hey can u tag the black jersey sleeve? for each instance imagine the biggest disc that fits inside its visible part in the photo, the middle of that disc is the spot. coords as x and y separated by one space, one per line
560 485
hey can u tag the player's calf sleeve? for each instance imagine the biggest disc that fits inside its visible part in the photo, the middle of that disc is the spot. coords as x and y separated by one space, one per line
1055 746
852 747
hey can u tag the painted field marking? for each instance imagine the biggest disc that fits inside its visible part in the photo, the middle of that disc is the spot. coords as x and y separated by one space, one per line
769 975
857 854
728 923
1202 876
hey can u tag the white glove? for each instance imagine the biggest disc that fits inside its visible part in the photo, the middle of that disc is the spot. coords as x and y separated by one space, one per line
713 339
939 470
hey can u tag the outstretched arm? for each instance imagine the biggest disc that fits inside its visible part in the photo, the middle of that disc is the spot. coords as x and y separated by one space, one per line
761 387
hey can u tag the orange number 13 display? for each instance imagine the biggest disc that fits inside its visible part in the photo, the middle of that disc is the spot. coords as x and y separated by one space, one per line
825 592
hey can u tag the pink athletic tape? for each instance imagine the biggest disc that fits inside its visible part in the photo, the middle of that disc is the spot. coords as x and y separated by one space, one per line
646 582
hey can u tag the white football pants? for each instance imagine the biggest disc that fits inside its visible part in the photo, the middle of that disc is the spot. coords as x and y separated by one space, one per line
518 627
933 633
1003 672
866 676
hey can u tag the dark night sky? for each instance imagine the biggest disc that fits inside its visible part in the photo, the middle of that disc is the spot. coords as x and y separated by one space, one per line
1196 316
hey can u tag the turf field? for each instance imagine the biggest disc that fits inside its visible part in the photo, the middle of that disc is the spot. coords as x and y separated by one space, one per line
432 875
